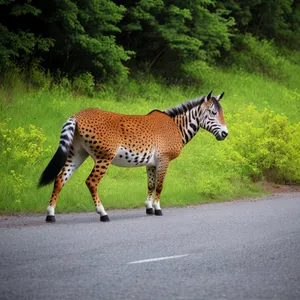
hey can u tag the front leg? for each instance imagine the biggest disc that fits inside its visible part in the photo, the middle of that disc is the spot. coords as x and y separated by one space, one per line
161 171
151 176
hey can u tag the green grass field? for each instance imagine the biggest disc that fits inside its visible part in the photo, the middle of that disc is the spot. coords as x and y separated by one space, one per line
206 171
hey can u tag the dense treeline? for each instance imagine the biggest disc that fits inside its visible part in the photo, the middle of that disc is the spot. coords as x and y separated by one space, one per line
110 39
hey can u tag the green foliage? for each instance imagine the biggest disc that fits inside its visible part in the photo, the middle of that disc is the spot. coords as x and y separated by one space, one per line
265 145
262 56
267 19
258 56
81 36
39 78
95 36
17 43
16 185
213 27
23 147
112 38
167 35
84 84
195 72
20 149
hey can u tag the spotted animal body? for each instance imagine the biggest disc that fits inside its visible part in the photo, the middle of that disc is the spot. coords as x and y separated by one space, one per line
152 140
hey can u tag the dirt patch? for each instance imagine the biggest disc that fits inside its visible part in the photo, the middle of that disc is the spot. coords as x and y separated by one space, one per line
281 188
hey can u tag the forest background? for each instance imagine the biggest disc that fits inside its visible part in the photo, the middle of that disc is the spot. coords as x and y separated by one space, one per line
60 56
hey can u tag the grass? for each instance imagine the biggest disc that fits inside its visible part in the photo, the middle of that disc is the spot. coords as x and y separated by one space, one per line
199 175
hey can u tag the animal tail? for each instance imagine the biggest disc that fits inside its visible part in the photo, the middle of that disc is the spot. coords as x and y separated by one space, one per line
61 155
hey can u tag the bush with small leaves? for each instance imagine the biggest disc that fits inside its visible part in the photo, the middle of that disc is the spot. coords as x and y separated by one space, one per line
84 84
20 149
264 145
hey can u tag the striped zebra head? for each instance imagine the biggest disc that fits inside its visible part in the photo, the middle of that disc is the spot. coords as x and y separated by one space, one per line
204 112
211 117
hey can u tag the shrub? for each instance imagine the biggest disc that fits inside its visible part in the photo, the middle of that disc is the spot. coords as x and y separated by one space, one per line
21 146
195 72
20 149
84 84
265 145
39 78
259 56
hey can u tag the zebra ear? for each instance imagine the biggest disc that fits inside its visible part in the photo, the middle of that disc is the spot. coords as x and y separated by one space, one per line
208 96
220 96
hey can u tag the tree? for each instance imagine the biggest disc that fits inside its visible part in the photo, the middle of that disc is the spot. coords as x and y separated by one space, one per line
267 19
167 34
80 34
18 43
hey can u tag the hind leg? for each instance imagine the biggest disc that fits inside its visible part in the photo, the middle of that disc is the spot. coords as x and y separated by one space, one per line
98 172
76 157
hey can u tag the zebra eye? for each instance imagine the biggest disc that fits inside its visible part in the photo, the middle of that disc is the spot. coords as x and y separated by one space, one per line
213 112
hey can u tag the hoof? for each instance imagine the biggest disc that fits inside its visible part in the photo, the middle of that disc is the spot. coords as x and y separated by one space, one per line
158 212
50 219
104 218
149 211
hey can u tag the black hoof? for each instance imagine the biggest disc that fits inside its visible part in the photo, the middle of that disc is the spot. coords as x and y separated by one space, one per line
149 211
158 212
104 218
50 219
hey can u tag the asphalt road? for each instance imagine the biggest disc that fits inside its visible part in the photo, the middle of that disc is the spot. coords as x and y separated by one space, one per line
239 250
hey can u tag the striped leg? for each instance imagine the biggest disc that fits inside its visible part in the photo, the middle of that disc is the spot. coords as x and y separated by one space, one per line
151 175
75 158
161 171
99 170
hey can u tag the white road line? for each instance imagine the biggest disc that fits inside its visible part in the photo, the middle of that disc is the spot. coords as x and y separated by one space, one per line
156 259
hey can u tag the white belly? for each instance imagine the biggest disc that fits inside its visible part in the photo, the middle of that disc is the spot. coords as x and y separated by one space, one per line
130 159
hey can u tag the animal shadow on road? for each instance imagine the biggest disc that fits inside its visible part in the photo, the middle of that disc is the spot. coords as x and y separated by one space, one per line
70 219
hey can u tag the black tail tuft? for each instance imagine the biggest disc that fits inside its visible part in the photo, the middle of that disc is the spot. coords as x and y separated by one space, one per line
53 168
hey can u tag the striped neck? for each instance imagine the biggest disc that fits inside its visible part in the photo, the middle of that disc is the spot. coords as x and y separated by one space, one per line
188 118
